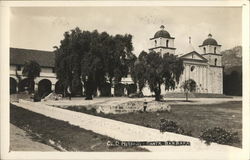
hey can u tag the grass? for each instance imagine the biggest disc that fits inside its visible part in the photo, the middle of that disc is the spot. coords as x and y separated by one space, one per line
63 135
192 118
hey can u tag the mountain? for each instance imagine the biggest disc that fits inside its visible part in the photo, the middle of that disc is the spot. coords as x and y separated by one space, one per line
232 77
232 60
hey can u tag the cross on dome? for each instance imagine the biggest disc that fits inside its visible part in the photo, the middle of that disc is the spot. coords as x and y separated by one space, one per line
162 27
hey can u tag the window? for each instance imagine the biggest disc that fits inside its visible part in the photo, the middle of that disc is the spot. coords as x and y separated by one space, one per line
214 50
155 43
215 61
204 49
18 68
192 68
166 43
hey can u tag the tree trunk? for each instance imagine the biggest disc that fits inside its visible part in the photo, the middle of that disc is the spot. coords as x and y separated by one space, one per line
186 96
158 93
138 90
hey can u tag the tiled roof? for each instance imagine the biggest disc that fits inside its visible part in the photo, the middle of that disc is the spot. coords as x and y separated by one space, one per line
19 56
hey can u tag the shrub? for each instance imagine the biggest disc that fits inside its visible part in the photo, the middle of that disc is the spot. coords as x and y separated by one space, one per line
219 135
106 90
136 95
37 97
119 90
131 88
171 126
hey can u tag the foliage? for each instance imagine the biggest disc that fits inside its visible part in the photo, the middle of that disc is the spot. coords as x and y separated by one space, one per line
188 86
31 69
162 70
37 97
171 126
119 89
106 90
136 95
138 71
232 83
219 135
93 58
26 84
131 88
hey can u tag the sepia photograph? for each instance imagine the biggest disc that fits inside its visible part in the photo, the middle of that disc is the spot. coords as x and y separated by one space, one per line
103 78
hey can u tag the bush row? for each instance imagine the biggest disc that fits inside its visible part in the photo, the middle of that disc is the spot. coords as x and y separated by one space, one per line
216 134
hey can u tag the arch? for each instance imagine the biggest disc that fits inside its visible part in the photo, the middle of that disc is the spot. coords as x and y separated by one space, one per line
204 49
167 43
215 61
27 84
13 85
214 50
44 87
59 87
155 43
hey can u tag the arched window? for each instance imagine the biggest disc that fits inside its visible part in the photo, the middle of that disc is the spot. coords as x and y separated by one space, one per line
155 43
204 49
214 49
215 61
166 43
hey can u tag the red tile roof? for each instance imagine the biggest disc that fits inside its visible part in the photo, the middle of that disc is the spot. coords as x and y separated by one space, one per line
19 56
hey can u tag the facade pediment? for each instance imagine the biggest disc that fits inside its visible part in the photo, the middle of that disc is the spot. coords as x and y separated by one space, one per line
193 56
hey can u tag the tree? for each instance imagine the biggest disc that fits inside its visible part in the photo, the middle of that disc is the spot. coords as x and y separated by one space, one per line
232 83
93 58
188 86
162 70
31 70
138 71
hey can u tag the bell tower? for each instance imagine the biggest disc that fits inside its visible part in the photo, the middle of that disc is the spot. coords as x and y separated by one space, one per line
210 49
162 42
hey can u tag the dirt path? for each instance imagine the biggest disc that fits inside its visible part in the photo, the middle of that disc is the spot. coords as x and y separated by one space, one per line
21 141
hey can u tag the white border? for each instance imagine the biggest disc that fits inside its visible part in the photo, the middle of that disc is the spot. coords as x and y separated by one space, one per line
4 92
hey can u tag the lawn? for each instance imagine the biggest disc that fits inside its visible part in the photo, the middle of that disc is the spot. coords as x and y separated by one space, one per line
61 135
194 118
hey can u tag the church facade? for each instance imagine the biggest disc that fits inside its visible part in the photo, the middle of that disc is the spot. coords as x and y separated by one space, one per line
204 67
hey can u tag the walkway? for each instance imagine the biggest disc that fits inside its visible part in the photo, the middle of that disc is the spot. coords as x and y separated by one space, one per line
123 131
20 141
114 101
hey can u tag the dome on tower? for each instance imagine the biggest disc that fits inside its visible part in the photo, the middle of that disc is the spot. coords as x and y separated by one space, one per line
209 41
162 33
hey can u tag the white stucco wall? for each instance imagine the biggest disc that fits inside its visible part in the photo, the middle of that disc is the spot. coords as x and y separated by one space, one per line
210 49
215 84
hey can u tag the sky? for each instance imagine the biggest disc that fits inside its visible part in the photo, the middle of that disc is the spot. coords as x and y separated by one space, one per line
43 27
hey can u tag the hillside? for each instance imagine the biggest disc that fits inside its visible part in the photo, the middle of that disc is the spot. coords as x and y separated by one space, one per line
232 77
232 60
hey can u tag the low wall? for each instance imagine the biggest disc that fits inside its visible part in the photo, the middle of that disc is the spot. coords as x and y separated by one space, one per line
133 106
126 107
